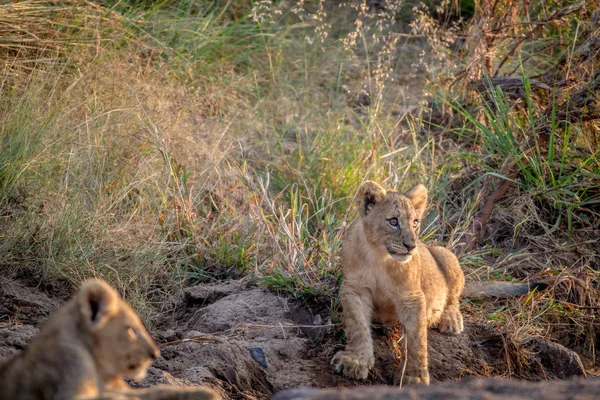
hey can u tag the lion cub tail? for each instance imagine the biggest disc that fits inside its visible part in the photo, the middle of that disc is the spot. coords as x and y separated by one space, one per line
500 289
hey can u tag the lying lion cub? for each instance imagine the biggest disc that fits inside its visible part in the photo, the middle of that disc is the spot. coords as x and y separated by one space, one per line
390 274
84 351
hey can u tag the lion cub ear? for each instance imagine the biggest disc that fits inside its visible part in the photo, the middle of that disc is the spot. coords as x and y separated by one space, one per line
97 302
369 195
418 197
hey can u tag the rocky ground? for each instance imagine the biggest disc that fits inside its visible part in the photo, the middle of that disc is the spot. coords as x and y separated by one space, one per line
250 343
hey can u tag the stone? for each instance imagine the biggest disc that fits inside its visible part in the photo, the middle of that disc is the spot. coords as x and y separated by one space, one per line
258 354
559 361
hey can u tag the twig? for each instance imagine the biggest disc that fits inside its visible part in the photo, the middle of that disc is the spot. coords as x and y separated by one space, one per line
580 307
556 15
197 339
280 326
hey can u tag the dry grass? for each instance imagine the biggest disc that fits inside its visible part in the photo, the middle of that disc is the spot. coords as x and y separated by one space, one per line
90 184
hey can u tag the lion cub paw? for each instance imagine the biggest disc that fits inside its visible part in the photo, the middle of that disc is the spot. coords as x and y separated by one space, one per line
351 365
451 322
412 379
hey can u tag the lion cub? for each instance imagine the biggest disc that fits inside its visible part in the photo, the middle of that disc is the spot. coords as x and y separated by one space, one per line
84 350
390 274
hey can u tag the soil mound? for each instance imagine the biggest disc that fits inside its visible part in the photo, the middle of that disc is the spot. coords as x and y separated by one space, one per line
250 343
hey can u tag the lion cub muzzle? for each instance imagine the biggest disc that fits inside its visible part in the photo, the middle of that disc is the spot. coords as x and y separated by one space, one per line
139 361
402 252
138 364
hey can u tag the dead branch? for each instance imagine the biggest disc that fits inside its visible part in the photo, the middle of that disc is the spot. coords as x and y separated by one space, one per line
487 208
554 16
513 86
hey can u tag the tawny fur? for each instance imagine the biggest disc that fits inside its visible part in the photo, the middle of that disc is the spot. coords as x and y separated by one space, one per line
85 350
391 275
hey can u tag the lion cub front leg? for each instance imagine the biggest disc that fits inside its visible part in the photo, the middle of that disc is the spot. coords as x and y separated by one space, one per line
413 317
451 320
357 359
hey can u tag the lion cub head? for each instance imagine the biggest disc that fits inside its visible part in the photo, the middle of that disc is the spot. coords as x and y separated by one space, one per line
391 220
120 344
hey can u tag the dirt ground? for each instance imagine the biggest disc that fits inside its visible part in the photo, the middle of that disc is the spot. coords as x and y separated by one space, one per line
220 333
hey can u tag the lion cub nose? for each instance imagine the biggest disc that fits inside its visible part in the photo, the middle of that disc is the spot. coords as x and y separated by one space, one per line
154 352
409 246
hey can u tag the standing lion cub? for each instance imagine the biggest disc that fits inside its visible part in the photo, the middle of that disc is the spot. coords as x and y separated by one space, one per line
85 350
390 274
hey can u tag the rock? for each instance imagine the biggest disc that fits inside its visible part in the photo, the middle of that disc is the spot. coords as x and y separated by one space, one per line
197 374
17 336
255 306
193 334
206 294
311 324
14 339
168 335
451 355
468 389
363 99
24 304
559 361
200 363
258 354
256 318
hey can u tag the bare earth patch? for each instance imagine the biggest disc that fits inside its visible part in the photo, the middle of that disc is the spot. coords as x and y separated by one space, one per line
206 340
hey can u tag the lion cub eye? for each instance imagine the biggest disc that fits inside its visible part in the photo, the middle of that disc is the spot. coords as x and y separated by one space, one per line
393 223
415 223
